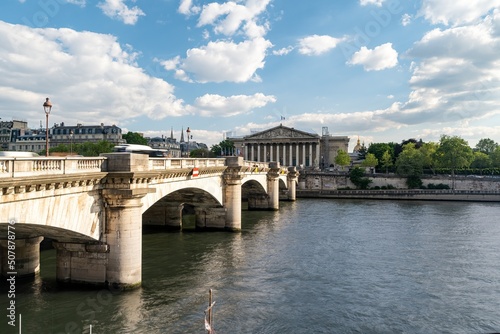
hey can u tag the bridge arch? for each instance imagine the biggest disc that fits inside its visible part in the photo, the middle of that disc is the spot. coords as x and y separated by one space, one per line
169 210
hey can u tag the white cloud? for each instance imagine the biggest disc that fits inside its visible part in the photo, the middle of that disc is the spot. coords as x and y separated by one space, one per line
456 12
186 7
457 77
283 51
117 9
89 78
371 2
80 3
406 19
224 61
316 45
380 58
210 105
230 17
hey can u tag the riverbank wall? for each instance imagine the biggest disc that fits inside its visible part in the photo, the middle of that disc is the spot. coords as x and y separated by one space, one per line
462 188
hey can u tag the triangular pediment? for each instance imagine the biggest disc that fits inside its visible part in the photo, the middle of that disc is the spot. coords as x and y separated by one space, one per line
281 131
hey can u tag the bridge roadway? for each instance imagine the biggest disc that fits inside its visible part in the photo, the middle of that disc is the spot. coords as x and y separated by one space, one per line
94 208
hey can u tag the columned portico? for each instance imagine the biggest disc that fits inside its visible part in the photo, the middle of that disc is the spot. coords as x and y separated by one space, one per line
288 146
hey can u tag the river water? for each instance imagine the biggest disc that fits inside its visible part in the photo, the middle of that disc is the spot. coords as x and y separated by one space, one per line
315 266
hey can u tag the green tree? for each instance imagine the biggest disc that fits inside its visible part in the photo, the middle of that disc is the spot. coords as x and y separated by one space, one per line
486 145
356 175
378 149
87 149
370 160
481 160
225 147
495 158
135 138
428 153
453 152
201 153
362 151
386 161
409 164
343 159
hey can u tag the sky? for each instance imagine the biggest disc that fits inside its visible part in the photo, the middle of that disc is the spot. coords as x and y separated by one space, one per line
377 70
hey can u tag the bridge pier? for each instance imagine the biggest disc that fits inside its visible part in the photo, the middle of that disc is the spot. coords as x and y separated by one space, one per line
292 177
232 193
79 263
27 256
269 201
168 215
124 236
208 218
126 185
273 186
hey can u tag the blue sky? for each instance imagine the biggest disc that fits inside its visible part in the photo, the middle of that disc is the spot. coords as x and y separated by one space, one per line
380 70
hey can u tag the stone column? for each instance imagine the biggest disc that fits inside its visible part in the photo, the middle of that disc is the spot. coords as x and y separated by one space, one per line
258 153
253 152
297 158
278 152
284 154
311 162
27 257
292 178
271 148
232 193
265 152
273 187
304 154
318 158
291 155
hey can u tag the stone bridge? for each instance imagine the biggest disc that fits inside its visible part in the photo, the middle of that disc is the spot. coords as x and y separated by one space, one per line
94 208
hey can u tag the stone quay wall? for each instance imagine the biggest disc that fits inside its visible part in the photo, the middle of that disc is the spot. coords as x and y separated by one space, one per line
462 188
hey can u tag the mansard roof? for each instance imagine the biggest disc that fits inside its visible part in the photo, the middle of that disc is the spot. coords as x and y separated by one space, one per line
281 131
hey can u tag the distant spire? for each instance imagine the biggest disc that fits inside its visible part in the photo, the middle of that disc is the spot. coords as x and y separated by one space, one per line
171 132
182 135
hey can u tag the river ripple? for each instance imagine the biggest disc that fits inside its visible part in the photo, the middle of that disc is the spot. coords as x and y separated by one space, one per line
316 266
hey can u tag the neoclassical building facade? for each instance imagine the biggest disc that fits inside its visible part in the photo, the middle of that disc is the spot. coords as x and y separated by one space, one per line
291 147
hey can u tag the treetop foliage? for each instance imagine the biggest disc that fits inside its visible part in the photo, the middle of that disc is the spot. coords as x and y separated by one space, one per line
135 138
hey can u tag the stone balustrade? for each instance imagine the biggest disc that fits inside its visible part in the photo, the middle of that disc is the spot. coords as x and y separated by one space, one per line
163 163
42 166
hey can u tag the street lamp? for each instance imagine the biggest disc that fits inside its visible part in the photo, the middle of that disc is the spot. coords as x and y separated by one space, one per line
47 106
188 133
71 142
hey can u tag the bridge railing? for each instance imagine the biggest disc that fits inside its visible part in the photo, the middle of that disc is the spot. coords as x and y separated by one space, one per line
39 166
169 163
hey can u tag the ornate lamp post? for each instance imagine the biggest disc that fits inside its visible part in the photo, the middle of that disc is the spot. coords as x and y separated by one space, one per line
188 134
47 106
